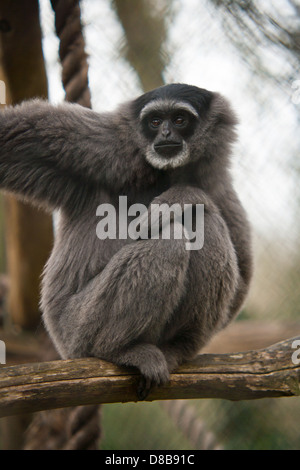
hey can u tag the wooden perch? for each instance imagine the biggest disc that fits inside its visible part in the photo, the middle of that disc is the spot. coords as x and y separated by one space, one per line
248 375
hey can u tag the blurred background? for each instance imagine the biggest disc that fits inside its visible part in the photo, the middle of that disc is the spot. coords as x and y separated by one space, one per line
249 51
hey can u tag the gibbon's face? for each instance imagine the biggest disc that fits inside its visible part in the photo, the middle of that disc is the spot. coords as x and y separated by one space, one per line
167 126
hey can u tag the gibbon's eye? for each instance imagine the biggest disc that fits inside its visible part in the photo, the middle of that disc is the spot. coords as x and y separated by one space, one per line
155 123
179 120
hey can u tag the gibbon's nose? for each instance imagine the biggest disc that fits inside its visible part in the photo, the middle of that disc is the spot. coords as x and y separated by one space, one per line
165 131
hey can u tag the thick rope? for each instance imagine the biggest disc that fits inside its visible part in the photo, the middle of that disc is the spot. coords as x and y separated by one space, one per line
83 428
71 51
186 419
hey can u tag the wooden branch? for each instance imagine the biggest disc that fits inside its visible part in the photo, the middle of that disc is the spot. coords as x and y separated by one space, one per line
249 375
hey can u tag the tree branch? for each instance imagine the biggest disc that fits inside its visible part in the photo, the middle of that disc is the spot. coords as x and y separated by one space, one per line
249 375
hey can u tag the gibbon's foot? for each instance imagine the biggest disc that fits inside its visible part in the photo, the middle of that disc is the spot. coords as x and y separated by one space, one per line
147 383
144 388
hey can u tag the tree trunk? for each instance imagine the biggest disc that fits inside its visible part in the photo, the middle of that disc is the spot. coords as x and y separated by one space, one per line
145 32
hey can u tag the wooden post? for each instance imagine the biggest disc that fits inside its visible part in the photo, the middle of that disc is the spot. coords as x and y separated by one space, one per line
29 233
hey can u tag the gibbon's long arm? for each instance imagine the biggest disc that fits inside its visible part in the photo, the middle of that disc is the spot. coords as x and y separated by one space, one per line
52 154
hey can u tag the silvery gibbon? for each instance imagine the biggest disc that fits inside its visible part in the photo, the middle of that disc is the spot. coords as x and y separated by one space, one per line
147 302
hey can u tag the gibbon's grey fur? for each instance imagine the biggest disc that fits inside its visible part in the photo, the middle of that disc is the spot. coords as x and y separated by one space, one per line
149 303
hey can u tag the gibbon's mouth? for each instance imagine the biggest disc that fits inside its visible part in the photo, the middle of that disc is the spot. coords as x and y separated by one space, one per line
168 148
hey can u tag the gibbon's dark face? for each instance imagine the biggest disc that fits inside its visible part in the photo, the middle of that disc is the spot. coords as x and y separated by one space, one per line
169 116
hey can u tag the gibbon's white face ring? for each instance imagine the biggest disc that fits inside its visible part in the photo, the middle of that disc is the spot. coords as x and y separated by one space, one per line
164 163
167 105
152 157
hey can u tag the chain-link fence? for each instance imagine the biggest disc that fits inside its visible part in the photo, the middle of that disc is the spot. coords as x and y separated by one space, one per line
250 53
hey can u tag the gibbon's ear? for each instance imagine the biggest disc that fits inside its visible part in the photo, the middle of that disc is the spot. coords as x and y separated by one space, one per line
218 130
222 112
221 115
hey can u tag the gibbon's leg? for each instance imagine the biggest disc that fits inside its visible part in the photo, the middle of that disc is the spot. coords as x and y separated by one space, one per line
213 279
120 314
